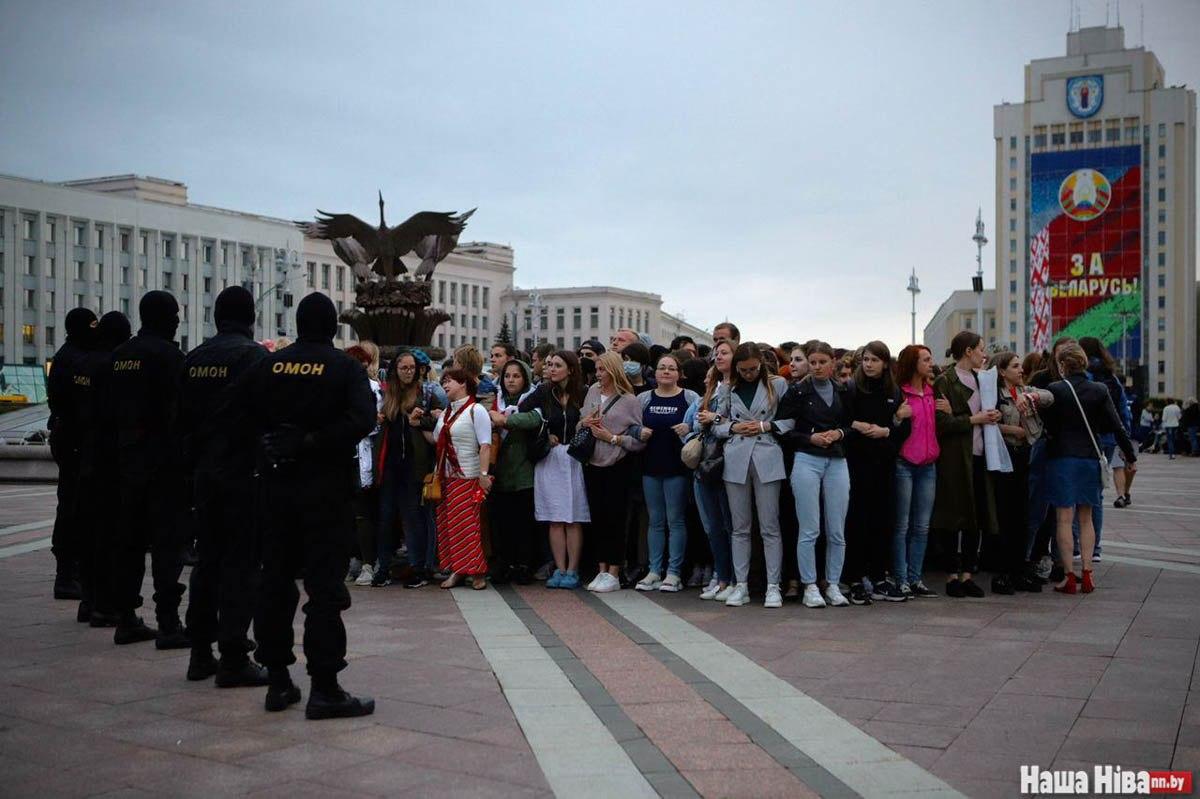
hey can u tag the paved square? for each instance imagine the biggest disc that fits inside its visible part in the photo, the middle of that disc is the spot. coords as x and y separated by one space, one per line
528 692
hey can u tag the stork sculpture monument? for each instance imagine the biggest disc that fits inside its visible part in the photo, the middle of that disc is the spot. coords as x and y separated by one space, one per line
390 311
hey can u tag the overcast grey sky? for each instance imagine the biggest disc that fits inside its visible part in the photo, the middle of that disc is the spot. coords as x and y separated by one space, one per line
782 164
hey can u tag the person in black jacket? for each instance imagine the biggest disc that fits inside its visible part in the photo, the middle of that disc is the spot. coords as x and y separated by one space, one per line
224 581
305 408
1073 477
881 420
140 406
97 486
820 410
64 447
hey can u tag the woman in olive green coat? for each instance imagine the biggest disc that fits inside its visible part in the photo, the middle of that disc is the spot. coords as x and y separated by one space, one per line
964 508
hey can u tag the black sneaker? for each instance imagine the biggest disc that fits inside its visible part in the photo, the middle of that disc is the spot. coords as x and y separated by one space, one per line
859 595
886 591
133 631
1057 575
1028 583
971 588
1119 502
922 591
280 698
382 579
99 619
176 638
1001 585
340 705
201 665
418 579
954 588
83 614
246 675
1128 500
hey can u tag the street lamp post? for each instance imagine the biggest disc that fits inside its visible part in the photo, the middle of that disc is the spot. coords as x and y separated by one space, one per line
977 282
1125 341
914 289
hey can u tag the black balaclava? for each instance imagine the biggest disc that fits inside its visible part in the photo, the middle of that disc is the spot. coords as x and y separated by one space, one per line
316 318
81 323
159 314
112 331
234 310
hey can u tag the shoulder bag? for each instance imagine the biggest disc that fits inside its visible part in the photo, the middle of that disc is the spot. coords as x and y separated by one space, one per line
431 484
711 468
583 443
1106 475
539 447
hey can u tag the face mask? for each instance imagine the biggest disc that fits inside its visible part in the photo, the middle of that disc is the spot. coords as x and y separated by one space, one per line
632 368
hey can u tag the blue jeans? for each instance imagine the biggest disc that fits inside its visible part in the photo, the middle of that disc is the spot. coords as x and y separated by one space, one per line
400 495
1097 510
915 490
713 504
816 478
666 507
1039 505
1171 433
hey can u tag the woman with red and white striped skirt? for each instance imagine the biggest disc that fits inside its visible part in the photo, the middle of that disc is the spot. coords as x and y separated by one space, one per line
464 441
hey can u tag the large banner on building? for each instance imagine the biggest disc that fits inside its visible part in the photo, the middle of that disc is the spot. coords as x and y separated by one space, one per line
1085 253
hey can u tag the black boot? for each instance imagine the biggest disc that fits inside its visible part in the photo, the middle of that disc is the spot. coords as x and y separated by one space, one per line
84 614
132 630
241 675
1002 585
281 691
328 701
172 636
102 619
201 665
65 587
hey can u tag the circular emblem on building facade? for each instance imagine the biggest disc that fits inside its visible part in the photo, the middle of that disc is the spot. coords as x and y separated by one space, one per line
1085 95
1084 195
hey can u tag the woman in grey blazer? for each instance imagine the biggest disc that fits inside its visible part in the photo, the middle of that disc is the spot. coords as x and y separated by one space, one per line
754 470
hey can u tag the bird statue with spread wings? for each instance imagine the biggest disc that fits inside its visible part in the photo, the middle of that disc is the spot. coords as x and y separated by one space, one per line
431 234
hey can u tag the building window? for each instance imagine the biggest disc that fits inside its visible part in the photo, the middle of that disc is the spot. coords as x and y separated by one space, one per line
124 275
124 241
1039 140
1012 203
1012 142
312 274
1012 307
30 301
1012 164
185 282
341 278
1162 259
49 300
1162 216
1012 328
486 292
100 274
1162 301
30 229
576 318
474 296
1162 368
1012 225
1162 324
560 318
1162 238
167 280
1076 137
1162 130
1162 194
51 230
1093 135
544 319
594 317
612 317
474 322
454 294
442 340
185 250
1012 245
50 337
28 332
620 318
1012 287
1012 266
50 267
1162 345
1012 184
168 248
325 276
463 321
80 236
528 319
78 300
485 324
1058 138
1162 173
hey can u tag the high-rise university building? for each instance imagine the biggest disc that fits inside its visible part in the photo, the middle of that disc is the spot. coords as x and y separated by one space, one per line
1096 210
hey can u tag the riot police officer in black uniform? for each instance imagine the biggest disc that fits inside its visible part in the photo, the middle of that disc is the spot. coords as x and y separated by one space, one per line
98 503
141 406
224 582
306 406
64 446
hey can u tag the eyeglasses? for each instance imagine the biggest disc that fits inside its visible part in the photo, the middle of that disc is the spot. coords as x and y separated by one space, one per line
406 368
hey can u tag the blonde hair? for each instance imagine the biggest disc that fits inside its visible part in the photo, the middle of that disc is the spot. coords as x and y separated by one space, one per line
372 349
469 359
398 399
615 367
1071 359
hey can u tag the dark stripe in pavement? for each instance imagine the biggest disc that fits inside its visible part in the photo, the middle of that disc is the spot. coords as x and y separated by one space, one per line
782 750
649 759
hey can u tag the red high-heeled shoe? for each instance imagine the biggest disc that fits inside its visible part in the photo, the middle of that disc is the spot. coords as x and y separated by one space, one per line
1088 585
1067 587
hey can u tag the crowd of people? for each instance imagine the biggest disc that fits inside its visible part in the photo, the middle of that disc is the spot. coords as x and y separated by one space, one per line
797 471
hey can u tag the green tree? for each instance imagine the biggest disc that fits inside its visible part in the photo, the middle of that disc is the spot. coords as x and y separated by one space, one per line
505 334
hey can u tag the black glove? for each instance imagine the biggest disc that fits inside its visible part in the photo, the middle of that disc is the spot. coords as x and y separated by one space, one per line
285 445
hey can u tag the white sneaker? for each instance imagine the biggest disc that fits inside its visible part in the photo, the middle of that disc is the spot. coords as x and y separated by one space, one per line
606 583
671 585
595 582
366 575
812 597
725 593
711 591
739 596
834 596
774 597
354 570
650 582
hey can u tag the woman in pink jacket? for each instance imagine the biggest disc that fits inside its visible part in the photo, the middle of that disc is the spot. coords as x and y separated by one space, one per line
916 470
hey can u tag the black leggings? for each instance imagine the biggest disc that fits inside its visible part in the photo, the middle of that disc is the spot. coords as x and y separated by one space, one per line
608 498
964 544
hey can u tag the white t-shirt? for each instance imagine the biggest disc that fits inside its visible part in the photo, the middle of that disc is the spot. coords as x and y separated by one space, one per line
1171 415
471 431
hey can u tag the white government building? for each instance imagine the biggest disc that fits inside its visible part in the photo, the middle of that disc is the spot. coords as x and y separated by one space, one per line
102 243
1103 108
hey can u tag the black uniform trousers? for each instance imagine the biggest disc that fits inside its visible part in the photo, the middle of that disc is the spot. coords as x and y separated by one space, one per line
149 518
65 541
871 522
305 524
225 580
98 510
